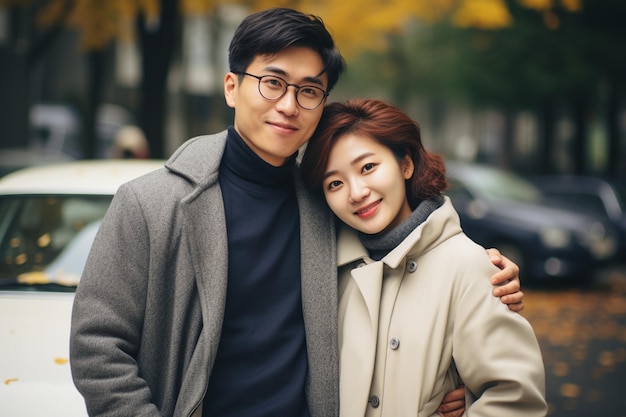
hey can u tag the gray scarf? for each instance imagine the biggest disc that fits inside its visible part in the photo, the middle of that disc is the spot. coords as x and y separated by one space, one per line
381 244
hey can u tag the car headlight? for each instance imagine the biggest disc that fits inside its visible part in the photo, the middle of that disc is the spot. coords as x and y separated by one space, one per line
601 242
596 231
555 237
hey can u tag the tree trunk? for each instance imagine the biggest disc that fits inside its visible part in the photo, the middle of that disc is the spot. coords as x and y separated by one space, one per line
579 148
158 40
13 101
17 66
546 139
44 42
95 79
616 152
505 156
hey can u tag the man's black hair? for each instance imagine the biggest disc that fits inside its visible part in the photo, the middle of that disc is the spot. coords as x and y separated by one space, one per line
273 30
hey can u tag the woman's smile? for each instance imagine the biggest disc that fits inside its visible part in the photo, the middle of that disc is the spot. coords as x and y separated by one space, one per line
369 210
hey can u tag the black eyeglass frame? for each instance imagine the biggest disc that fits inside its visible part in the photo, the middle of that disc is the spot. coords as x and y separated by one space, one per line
287 85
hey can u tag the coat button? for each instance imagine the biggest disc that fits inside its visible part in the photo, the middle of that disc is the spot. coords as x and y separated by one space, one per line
374 401
411 266
394 343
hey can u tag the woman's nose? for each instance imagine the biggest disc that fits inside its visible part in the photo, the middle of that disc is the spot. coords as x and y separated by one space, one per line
358 192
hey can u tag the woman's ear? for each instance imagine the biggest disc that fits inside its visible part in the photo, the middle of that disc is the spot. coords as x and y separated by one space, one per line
407 166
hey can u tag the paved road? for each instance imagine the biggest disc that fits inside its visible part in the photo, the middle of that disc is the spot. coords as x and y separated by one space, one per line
582 334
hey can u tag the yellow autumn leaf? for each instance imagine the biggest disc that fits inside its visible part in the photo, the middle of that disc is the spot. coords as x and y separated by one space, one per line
572 5
537 4
482 14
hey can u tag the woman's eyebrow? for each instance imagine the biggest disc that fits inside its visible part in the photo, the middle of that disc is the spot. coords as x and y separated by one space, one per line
353 162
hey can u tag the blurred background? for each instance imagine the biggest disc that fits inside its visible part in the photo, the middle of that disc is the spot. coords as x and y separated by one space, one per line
536 86
535 89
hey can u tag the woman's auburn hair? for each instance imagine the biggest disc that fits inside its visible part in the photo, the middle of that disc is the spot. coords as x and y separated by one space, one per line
386 124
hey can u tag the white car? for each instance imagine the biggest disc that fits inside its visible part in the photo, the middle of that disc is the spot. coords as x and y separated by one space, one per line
49 216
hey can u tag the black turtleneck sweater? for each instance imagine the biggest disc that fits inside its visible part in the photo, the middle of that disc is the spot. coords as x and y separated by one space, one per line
261 363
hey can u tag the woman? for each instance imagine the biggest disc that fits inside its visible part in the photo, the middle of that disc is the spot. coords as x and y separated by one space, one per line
416 315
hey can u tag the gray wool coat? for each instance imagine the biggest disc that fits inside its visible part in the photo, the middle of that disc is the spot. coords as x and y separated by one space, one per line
148 311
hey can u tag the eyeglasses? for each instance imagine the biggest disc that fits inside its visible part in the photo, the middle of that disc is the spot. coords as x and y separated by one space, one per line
272 88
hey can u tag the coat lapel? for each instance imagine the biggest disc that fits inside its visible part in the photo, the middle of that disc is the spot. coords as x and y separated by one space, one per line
359 324
368 280
205 230
319 301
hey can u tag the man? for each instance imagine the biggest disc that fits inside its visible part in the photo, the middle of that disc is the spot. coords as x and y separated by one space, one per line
210 289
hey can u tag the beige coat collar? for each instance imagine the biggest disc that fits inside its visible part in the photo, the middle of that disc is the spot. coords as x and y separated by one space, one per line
350 249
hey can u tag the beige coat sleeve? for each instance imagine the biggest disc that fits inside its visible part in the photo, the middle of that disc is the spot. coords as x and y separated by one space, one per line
496 352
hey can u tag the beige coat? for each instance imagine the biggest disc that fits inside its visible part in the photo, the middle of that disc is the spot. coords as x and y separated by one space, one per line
407 320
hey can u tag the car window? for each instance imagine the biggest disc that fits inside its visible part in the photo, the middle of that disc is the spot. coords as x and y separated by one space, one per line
46 239
585 201
501 185
456 191
620 191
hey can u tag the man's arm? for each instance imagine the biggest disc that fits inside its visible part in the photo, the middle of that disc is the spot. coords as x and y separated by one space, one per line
507 281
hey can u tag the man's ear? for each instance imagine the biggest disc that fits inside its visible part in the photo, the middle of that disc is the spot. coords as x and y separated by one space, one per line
231 83
407 166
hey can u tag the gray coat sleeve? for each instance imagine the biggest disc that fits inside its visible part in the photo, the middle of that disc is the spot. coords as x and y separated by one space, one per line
147 315
108 314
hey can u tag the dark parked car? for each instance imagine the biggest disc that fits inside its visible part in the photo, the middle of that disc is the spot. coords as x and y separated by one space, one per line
598 196
503 210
